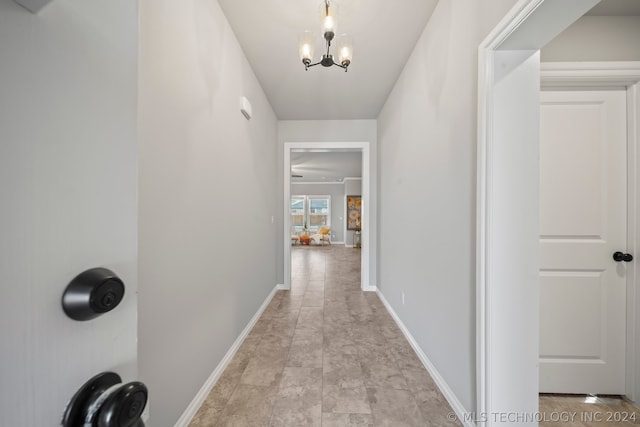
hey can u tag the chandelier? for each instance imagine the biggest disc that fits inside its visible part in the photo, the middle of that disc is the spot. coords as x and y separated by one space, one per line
328 10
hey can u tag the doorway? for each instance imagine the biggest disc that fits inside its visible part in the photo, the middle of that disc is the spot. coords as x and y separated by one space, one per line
620 77
508 207
363 148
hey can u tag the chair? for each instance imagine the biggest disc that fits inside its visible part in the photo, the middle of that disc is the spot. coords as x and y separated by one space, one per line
323 235
295 237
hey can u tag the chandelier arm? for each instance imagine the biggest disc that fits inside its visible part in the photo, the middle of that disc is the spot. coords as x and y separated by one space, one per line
345 67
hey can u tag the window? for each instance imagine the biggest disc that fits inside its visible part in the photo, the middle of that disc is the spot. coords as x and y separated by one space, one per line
310 211
318 211
297 211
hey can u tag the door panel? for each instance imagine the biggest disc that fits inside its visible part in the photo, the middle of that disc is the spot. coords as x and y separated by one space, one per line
571 194
68 173
578 335
582 223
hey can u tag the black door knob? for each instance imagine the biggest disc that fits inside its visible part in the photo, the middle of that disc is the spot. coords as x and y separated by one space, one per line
104 402
619 256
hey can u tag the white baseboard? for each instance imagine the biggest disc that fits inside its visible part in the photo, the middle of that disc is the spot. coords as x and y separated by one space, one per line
281 287
200 397
457 407
370 289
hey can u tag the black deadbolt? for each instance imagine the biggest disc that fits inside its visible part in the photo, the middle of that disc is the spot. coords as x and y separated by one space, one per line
619 256
92 293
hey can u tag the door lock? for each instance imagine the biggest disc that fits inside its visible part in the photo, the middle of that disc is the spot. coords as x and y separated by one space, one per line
92 293
619 256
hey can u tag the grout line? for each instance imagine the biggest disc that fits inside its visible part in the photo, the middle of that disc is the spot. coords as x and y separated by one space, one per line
194 407
324 304
279 386
342 262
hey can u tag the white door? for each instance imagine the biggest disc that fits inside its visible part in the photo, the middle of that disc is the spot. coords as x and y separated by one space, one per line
583 215
68 177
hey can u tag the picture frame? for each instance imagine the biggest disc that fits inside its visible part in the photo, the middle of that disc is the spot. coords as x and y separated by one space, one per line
354 212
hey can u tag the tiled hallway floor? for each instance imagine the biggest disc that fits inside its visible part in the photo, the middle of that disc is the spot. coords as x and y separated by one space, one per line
325 354
587 411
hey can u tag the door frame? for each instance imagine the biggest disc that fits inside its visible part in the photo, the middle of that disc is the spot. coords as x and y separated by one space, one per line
507 288
367 252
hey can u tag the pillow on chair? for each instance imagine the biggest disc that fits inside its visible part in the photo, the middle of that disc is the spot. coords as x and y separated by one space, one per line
322 236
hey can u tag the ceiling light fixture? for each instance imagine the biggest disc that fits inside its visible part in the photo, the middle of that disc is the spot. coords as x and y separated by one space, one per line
328 10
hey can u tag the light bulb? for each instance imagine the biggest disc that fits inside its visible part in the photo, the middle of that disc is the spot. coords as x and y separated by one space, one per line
345 53
306 51
328 23
345 49
328 13
306 47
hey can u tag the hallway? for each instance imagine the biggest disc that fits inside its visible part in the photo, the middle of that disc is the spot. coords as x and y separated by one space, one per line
325 353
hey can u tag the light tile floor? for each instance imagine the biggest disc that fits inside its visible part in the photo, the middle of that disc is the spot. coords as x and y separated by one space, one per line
325 354
587 411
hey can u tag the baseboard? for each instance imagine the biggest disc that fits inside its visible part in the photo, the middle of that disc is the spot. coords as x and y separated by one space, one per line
200 397
457 407
370 289
281 287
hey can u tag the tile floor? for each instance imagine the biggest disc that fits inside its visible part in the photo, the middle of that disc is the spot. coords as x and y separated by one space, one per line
587 411
325 354
328 354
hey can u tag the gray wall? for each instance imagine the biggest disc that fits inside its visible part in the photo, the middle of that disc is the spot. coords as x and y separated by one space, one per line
336 191
327 131
427 151
207 196
597 38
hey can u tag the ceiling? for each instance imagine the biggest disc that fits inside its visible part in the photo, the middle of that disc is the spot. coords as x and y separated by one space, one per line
384 32
616 8
329 166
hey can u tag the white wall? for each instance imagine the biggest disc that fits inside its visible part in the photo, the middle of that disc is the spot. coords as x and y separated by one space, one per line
597 38
68 172
427 162
328 131
207 197
513 290
336 191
